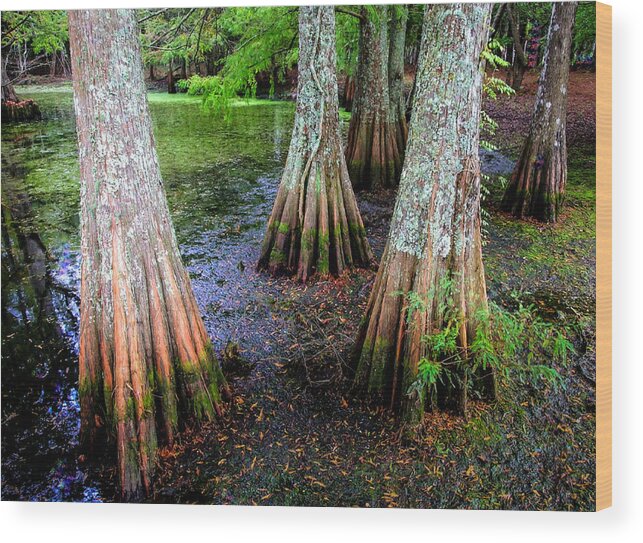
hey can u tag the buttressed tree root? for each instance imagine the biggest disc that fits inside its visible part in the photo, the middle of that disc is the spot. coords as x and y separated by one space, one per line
537 186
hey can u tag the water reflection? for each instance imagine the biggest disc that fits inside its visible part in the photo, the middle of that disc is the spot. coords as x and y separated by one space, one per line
39 348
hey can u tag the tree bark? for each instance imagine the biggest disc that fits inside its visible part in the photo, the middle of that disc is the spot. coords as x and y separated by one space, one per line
171 85
349 93
146 362
538 181
372 154
8 91
13 109
397 39
315 225
433 253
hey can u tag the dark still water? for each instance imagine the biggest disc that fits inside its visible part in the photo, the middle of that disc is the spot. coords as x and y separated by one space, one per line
220 176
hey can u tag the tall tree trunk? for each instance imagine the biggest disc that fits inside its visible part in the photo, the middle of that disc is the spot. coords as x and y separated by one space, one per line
538 181
431 277
397 39
146 361
315 225
209 62
52 65
520 60
497 18
372 154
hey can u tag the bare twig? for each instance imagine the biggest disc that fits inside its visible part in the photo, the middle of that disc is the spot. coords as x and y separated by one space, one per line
151 15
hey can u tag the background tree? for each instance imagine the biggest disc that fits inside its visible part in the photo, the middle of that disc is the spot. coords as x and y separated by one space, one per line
518 31
397 41
347 47
538 181
584 45
253 50
315 225
145 358
429 294
29 40
373 156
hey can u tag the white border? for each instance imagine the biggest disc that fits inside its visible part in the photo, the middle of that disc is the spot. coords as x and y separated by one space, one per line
25 522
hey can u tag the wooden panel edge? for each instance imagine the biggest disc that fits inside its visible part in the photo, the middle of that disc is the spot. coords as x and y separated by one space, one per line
603 256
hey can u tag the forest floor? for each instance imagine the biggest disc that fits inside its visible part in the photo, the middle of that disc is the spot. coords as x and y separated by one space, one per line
294 434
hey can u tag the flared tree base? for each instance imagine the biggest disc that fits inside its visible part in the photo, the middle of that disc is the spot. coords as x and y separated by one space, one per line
412 303
373 153
315 226
20 111
537 186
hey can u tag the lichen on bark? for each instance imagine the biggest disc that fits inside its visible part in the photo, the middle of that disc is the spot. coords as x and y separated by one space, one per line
373 153
315 225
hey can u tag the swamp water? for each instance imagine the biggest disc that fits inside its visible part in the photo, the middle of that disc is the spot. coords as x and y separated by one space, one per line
220 177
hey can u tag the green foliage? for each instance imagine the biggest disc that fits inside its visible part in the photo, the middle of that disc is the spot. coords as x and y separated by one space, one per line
347 42
178 34
217 92
428 375
40 31
256 40
492 87
518 345
584 29
265 41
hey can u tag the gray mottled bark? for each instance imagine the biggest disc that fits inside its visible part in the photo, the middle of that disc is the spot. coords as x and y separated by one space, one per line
315 225
146 361
434 247
537 185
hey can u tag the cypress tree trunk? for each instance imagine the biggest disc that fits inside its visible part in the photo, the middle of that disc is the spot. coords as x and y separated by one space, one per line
431 277
315 225
372 154
397 39
14 109
146 360
538 181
